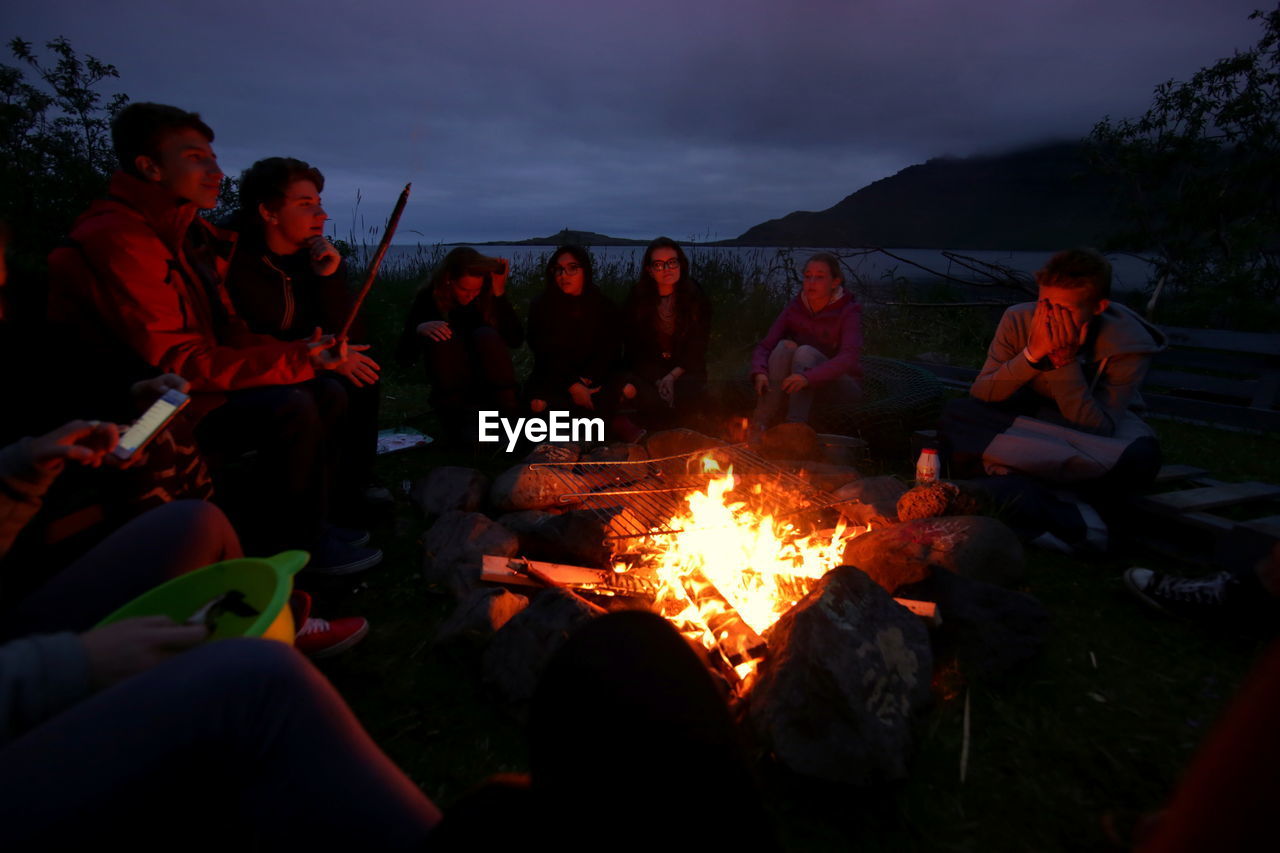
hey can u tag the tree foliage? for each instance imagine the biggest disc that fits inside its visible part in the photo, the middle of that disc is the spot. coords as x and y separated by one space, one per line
1198 176
55 141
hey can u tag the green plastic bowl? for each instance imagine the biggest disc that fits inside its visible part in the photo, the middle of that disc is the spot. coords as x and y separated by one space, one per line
265 582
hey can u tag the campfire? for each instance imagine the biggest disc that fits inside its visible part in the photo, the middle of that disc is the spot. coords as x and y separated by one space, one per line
733 568
721 542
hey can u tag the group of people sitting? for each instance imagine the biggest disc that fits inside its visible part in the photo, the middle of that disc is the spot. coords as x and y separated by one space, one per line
146 296
639 367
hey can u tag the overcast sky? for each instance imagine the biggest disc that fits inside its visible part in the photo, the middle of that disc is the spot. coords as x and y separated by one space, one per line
698 118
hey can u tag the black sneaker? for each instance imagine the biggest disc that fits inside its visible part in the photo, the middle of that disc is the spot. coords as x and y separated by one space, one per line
1195 598
335 557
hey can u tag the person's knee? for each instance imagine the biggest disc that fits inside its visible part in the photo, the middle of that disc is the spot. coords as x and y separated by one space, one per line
205 528
782 355
806 357
242 664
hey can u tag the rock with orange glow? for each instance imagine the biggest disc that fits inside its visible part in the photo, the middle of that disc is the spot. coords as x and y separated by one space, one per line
481 614
870 501
534 487
519 652
847 670
561 452
974 546
790 441
672 442
616 451
454 548
822 475
932 500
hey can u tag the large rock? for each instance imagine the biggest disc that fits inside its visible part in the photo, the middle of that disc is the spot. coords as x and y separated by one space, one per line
534 487
562 452
970 545
450 487
520 651
822 475
848 667
526 521
987 629
454 547
577 537
790 441
616 451
481 614
672 442
870 501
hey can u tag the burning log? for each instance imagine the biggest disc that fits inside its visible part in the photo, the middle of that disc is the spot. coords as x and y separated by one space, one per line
735 639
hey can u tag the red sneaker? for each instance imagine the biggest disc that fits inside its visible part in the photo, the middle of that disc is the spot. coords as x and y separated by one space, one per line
320 638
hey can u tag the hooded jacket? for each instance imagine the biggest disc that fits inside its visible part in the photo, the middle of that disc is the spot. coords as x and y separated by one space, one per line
143 278
835 331
1097 392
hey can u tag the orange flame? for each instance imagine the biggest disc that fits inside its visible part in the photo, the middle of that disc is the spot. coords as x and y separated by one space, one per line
750 557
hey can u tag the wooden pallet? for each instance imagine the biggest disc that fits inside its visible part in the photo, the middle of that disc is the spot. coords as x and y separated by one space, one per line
1184 519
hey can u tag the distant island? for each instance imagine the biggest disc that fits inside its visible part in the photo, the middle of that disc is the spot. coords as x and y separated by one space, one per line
1034 198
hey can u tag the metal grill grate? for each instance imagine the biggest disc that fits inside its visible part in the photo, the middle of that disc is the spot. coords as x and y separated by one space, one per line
638 499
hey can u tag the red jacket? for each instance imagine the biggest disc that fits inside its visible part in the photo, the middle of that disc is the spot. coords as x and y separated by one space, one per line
148 273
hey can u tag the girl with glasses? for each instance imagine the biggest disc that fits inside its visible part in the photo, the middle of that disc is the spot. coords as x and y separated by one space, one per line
667 324
573 333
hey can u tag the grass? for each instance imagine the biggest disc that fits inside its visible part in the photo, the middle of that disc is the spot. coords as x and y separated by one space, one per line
1092 733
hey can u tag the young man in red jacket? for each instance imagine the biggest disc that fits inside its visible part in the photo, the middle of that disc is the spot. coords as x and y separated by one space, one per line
141 287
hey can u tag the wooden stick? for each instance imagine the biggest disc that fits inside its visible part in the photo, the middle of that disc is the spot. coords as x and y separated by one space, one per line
546 579
964 746
377 262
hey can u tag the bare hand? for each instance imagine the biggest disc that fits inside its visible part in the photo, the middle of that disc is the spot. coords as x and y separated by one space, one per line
325 259
358 368
499 278
1066 335
329 353
436 330
126 648
761 383
667 389
1039 341
581 395
86 442
148 391
795 382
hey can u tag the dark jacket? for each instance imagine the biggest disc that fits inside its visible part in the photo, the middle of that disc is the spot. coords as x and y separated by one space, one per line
644 354
282 296
146 274
572 338
485 310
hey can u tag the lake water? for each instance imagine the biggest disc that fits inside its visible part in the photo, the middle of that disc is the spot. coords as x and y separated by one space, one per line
769 264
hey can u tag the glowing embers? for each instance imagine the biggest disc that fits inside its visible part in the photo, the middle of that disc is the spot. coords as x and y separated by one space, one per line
734 568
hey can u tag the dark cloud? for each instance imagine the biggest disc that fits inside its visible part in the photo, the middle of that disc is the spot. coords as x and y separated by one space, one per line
687 118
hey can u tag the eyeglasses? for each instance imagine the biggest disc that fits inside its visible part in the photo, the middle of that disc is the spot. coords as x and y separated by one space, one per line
567 269
658 266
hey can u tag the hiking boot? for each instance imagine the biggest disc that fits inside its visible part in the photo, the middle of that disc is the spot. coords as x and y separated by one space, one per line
1194 598
322 638
335 557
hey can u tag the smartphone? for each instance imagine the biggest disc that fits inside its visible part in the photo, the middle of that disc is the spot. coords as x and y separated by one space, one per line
152 421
